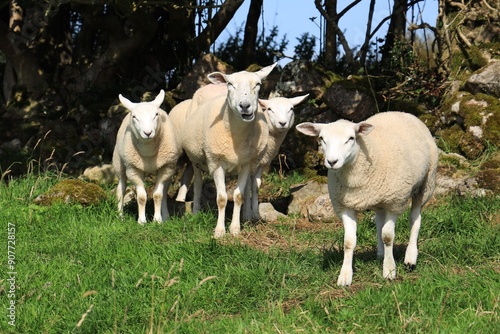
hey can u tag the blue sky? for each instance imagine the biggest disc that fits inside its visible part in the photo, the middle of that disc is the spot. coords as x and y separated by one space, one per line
292 17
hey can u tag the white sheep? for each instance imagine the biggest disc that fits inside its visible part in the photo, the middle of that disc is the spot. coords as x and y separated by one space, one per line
279 117
379 165
146 144
227 135
179 114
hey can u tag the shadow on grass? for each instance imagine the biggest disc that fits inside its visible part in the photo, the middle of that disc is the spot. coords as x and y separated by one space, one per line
334 255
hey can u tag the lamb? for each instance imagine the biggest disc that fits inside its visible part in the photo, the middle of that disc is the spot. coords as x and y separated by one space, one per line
378 165
146 144
226 135
179 114
279 117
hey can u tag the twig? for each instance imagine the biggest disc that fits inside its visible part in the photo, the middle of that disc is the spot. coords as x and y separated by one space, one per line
399 309
79 324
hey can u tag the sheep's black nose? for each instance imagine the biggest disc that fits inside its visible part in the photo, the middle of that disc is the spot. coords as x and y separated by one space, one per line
244 105
282 123
332 162
148 133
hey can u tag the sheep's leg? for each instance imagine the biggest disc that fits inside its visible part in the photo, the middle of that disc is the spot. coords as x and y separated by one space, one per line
187 176
121 189
137 178
388 232
197 189
163 179
380 221
247 204
238 196
158 201
349 222
256 182
412 249
220 184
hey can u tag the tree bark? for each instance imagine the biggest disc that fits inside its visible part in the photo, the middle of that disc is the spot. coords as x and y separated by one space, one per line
331 36
23 64
396 30
251 30
215 26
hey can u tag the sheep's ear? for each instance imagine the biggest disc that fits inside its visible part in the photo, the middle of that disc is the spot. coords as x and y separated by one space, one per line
309 129
264 72
159 99
364 128
217 78
126 102
263 103
296 100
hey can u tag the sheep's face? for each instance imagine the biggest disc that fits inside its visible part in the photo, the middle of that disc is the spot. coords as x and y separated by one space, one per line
338 140
145 116
280 112
243 90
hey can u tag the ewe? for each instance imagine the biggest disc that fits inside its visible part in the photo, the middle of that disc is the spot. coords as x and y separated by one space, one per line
179 114
379 165
225 135
145 144
279 117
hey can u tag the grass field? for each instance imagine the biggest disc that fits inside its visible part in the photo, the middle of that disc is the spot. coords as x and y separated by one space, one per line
78 269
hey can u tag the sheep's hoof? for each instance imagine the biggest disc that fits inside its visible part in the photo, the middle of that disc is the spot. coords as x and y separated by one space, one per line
235 231
345 278
219 234
410 267
390 275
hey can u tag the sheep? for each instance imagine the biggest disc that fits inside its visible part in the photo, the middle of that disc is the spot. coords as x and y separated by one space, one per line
180 113
178 116
146 144
279 117
227 135
207 92
378 165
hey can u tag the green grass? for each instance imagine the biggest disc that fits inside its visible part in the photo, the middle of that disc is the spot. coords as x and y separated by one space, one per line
84 270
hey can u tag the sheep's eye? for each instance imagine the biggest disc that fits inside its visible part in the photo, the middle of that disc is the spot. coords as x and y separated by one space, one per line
230 85
270 110
135 118
257 86
350 138
156 115
322 140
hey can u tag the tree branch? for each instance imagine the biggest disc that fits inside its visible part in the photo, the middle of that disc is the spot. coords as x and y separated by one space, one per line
215 26
332 21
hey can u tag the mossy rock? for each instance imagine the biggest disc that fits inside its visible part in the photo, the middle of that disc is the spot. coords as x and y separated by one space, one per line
472 126
72 191
407 106
488 176
449 138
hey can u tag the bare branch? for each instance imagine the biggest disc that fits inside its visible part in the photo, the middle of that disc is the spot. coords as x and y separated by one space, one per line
333 22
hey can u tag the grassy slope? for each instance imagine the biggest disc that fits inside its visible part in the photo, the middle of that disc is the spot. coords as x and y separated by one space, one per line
275 278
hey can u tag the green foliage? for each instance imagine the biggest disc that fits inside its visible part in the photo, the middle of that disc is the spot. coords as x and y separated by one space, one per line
84 270
304 50
268 49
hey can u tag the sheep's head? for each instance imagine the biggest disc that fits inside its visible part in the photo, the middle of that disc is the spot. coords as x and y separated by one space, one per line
338 140
243 90
280 111
145 116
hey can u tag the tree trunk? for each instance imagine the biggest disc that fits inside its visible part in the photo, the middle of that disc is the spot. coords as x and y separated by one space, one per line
396 30
215 26
251 30
331 36
24 70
